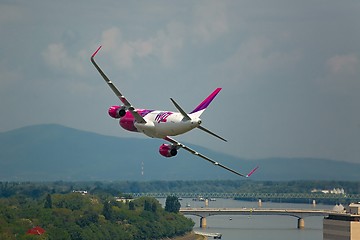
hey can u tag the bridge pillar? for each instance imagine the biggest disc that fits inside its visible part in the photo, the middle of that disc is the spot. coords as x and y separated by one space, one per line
203 222
301 223
314 203
259 203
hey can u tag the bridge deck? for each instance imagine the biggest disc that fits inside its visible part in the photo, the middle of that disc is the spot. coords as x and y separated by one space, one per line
203 213
299 213
244 195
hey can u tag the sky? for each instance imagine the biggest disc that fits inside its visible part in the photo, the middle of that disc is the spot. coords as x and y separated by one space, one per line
290 70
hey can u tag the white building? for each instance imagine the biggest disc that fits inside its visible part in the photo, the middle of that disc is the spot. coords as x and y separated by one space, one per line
343 226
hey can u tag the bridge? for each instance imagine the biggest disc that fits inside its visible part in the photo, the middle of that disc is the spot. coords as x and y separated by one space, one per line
300 214
312 196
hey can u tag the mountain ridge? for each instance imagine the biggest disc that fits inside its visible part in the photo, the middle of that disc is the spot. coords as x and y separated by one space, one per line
51 152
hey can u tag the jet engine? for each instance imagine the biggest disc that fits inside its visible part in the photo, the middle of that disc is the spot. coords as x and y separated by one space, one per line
167 150
117 111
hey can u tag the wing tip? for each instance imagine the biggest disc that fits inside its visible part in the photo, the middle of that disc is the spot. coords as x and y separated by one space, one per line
251 172
97 50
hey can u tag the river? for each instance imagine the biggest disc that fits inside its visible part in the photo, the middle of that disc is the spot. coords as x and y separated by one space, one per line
258 227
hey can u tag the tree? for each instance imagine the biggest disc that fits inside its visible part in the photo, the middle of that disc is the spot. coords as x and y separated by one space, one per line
154 207
131 206
147 205
107 211
172 204
48 201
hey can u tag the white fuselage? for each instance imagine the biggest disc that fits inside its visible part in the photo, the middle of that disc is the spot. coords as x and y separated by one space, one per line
160 124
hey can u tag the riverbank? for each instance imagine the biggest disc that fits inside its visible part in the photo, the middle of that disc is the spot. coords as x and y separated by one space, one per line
190 236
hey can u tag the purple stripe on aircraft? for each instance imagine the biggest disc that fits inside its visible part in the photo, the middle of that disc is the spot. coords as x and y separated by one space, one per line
144 112
204 104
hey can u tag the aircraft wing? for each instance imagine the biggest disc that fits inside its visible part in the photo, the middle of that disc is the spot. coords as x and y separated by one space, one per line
126 103
180 145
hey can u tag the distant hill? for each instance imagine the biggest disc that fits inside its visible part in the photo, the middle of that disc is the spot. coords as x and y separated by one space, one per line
54 152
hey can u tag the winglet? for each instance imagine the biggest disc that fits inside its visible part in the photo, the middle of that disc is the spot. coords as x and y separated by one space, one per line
92 56
252 171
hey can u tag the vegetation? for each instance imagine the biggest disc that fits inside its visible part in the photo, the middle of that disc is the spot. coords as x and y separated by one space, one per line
172 204
108 189
77 216
68 215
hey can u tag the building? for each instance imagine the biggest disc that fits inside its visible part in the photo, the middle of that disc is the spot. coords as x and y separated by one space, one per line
82 192
123 199
343 226
36 231
334 191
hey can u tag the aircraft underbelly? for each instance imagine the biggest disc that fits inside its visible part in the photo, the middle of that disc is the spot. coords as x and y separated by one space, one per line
171 128
161 130
147 129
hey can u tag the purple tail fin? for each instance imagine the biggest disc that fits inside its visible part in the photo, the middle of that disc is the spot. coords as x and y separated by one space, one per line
204 104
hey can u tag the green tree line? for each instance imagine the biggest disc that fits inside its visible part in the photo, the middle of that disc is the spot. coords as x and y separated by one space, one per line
78 217
104 189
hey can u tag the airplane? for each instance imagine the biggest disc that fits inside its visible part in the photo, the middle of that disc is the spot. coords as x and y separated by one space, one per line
163 124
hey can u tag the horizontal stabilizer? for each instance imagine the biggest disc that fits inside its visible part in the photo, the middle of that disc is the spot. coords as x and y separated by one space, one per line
211 133
186 116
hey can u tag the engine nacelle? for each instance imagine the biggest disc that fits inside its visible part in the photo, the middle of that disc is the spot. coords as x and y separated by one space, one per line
167 150
117 111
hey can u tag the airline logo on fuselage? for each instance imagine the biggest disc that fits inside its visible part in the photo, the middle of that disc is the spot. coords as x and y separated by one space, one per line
162 117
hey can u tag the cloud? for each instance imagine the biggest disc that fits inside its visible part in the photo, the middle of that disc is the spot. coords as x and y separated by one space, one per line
342 76
259 56
56 56
123 52
210 21
343 64
9 77
110 38
163 45
10 13
168 42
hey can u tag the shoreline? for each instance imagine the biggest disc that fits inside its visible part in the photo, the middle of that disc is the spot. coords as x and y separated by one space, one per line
190 236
